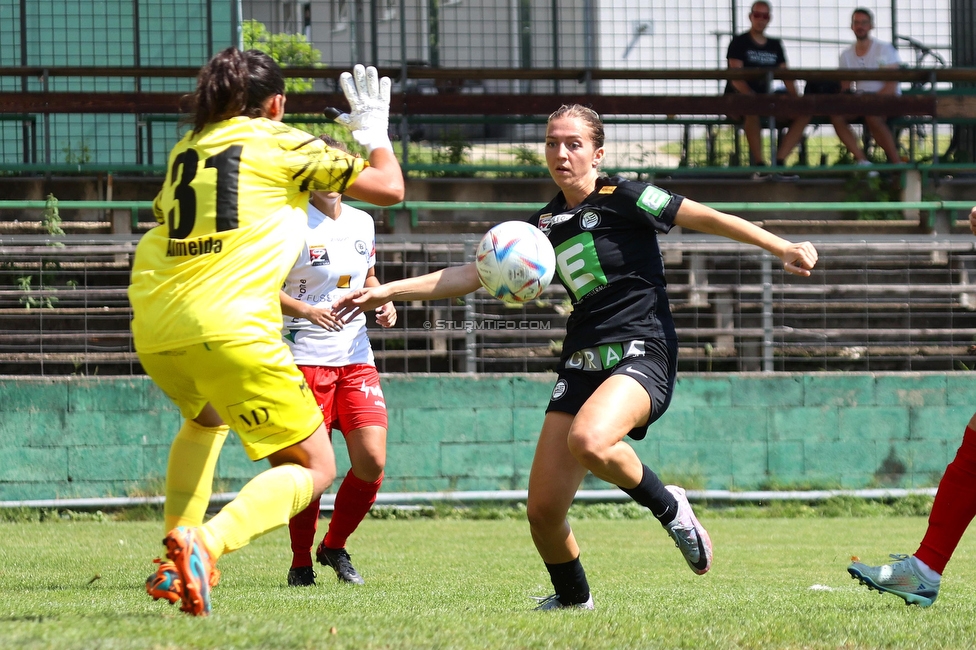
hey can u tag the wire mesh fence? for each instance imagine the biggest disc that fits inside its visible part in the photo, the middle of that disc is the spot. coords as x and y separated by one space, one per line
874 304
581 33
441 34
619 34
64 307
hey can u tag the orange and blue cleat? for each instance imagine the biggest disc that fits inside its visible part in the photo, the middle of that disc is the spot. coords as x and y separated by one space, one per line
164 582
194 568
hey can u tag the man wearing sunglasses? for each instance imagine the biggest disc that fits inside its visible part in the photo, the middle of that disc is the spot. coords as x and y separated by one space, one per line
753 49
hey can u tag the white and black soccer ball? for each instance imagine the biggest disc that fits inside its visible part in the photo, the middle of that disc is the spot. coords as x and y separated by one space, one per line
515 261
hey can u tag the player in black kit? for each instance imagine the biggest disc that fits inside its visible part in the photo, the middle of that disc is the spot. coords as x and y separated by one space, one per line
617 369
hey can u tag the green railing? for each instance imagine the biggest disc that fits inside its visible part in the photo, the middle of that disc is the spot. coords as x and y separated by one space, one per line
516 171
931 207
132 207
414 207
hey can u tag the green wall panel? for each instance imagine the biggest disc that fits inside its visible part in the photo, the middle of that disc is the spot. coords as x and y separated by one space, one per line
703 391
785 462
421 459
31 428
432 424
86 436
740 423
527 422
873 422
680 422
533 390
813 423
489 459
778 390
33 464
940 422
37 395
835 389
912 390
104 463
961 390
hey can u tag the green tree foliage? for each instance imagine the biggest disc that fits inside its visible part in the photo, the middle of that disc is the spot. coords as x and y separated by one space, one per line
286 49
293 50
453 153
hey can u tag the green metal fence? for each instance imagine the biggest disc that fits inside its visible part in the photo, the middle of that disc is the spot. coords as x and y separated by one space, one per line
585 35
414 208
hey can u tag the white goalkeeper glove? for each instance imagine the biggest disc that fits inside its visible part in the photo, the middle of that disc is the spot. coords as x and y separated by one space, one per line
369 107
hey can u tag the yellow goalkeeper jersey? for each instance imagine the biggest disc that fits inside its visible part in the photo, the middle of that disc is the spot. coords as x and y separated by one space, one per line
232 223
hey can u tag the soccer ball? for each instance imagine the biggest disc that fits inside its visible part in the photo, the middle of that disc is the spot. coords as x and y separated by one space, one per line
515 261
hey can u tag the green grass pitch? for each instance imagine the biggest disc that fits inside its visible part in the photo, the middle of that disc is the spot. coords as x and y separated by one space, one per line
438 583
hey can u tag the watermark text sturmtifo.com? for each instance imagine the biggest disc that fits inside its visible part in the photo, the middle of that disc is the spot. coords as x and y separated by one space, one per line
472 325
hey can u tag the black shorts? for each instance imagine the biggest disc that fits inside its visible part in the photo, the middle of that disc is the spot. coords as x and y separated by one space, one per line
655 370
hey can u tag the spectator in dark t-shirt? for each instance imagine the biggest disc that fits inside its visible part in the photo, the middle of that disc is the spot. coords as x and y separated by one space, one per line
753 49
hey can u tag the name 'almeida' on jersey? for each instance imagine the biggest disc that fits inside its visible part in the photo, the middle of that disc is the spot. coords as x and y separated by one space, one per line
232 222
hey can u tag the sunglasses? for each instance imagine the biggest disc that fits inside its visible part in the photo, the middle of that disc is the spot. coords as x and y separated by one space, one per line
760 14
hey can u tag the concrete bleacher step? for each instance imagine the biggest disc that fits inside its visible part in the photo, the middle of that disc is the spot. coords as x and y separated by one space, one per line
18 227
857 308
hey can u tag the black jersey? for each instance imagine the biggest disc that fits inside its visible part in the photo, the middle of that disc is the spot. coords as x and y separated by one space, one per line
753 55
608 258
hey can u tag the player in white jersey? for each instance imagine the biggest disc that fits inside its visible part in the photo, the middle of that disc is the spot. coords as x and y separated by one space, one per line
337 361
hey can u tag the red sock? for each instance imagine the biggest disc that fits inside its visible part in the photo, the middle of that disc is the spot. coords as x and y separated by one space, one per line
301 528
353 500
954 507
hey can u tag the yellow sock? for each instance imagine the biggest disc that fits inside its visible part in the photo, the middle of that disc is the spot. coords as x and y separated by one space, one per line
267 502
189 473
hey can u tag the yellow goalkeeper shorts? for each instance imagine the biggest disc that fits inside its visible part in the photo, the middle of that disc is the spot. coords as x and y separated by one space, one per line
254 386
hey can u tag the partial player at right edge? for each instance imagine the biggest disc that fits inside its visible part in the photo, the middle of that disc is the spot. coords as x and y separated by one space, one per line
618 366
916 578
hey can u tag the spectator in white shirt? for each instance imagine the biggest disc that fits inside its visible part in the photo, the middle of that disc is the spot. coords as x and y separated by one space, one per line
868 54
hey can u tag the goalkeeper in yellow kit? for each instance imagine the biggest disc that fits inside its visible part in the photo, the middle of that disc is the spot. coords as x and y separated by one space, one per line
207 316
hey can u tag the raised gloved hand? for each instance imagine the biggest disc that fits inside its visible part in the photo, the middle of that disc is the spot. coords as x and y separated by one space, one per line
369 107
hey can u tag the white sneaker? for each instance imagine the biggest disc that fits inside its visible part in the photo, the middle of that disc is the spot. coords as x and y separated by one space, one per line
689 535
867 163
552 602
900 578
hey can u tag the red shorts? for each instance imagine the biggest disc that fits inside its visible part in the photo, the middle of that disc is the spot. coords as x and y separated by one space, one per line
350 396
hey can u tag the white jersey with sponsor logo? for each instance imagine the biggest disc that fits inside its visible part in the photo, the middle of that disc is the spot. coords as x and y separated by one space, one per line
337 256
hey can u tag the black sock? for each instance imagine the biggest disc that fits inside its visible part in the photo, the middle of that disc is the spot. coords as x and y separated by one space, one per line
652 494
569 581
781 162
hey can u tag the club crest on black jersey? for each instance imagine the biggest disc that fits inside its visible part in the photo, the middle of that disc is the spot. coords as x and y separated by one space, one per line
609 260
